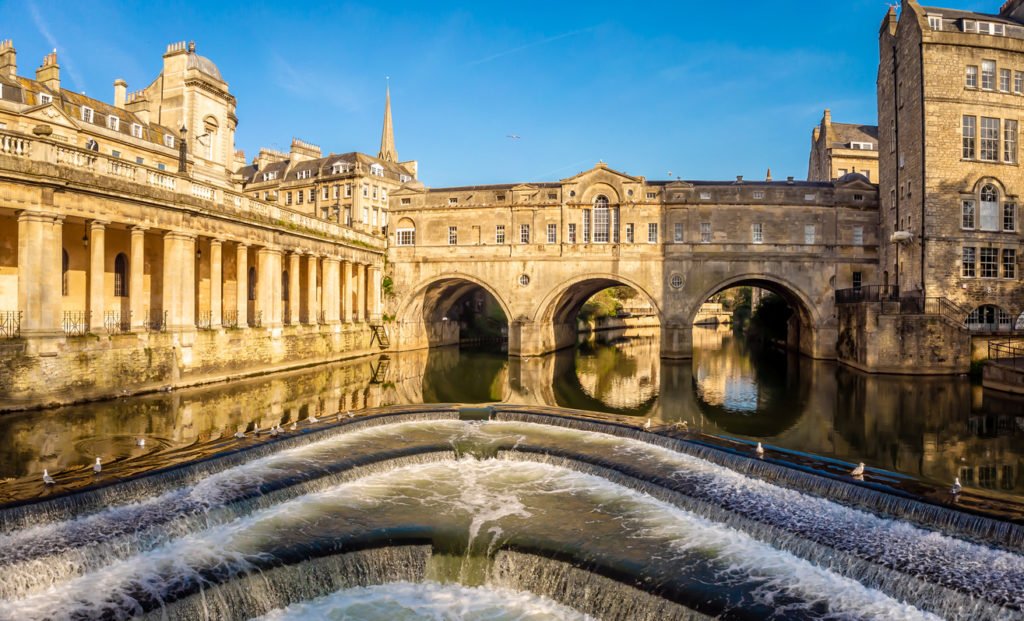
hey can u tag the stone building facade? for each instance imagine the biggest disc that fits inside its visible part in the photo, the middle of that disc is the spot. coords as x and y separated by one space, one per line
135 252
838 149
950 101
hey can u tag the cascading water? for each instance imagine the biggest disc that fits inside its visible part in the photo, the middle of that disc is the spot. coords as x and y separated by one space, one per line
553 521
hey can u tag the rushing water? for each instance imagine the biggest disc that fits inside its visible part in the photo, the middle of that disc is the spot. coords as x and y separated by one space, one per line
929 428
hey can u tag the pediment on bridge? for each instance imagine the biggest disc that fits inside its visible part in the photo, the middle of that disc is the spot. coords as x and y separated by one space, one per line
679 185
410 188
601 172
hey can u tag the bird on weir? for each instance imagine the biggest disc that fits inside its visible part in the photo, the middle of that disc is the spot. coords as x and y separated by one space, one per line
273 432
759 450
140 442
47 479
349 414
239 434
859 470
647 425
313 419
97 468
955 490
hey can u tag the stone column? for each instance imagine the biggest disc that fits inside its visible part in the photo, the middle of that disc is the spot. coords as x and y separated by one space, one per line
40 277
375 294
332 274
346 291
361 294
188 282
242 284
311 301
179 281
293 287
136 284
216 282
268 286
97 254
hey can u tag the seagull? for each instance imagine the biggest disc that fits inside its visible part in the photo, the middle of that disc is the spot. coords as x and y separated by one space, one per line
859 470
294 426
97 468
239 434
513 136
313 419
647 425
256 429
48 480
140 442
681 426
273 432
759 450
955 490
349 414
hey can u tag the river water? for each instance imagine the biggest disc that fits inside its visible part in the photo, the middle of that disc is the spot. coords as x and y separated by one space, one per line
928 428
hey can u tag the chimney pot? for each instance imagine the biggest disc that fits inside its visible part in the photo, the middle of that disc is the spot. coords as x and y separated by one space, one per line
120 93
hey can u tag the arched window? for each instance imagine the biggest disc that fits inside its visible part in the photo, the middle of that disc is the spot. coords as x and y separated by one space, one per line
405 233
988 214
601 220
252 283
64 271
284 285
989 318
120 276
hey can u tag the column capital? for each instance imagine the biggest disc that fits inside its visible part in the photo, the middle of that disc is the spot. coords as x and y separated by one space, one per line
139 229
39 216
267 250
179 235
98 224
297 251
216 241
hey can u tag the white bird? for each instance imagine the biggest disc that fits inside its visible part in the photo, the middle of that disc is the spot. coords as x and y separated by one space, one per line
513 136
47 479
294 426
313 419
859 470
97 468
239 434
256 429
759 450
647 425
349 414
273 432
140 442
953 490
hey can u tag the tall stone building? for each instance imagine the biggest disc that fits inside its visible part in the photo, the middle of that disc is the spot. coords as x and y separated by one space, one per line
950 97
838 149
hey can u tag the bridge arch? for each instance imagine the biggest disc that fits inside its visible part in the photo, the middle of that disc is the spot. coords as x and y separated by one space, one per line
421 317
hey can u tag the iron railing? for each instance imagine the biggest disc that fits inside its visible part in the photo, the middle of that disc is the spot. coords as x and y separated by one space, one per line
230 319
76 323
868 293
156 321
10 324
1009 352
205 320
117 322
321 317
257 319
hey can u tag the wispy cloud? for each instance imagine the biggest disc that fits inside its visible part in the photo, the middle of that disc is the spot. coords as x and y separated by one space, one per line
551 173
528 46
310 85
64 57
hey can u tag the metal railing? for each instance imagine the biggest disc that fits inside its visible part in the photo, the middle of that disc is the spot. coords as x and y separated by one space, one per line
321 317
117 322
205 320
10 324
868 293
257 319
156 321
76 323
1009 352
230 319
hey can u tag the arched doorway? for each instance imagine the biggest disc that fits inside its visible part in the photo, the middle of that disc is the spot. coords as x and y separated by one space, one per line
989 318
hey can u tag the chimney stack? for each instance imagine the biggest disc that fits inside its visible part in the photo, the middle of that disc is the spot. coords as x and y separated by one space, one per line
49 73
8 59
769 175
120 93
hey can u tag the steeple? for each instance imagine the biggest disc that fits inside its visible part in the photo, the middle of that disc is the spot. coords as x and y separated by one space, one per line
387 138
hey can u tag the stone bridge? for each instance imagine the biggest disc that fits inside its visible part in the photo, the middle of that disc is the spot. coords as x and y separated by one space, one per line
541 250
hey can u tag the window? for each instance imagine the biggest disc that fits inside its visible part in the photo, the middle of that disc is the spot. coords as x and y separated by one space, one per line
161 166
969 136
758 195
809 234
524 280
629 233
705 196
808 197
858 197
406 201
935 22
139 160
988 74
404 178
499 234
87 114
337 191
841 172
705 232
366 190
892 136
1009 263
312 195
375 192
377 170
552 196
383 194
1004 80
757 233
858 280
169 143
524 233
453 201
303 174
1010 142
1018 82
348 190
115 153
677 233
858 236
651 195
136 130
967 215
405 237
300 195
969 262
287 198
989 139
586 226
601 220
988 214
340 167
44 98
1009 217
989 263
552 233
652 232
113 122
453 235
572 232
327 192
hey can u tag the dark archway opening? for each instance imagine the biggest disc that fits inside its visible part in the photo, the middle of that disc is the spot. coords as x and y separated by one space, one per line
462 312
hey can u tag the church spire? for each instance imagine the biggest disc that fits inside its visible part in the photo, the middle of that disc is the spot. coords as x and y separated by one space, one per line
387 138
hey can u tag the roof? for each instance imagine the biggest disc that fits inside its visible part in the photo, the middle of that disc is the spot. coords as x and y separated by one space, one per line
204 64
845 133
496 186
319 166
958 14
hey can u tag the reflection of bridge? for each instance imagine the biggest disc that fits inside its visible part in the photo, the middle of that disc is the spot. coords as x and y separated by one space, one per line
541 250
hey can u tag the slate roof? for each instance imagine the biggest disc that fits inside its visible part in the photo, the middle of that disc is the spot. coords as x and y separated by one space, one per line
321 167
958 14
845 133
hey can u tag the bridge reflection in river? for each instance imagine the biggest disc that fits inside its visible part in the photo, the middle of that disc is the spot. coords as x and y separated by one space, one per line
931 428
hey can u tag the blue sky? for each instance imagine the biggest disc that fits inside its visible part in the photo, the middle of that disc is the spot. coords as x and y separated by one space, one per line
705 90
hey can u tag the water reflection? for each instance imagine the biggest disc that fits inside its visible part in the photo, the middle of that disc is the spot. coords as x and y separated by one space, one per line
930 428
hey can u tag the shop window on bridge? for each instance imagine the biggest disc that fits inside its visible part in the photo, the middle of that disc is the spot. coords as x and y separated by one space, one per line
586 226
120 276
572 232
453 235
552 233
677 233
524 233
629 233
989 318
652 232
